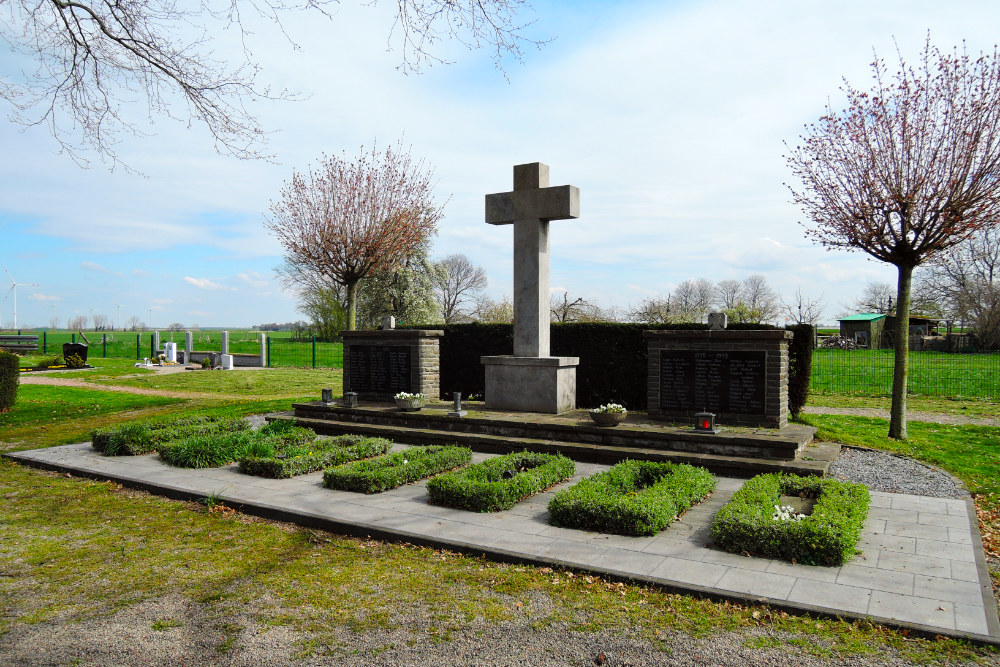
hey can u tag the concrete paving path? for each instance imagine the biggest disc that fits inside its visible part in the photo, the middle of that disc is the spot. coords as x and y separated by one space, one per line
922 565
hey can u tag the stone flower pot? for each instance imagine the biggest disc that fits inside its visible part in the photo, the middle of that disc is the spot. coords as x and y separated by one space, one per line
409 404
608 418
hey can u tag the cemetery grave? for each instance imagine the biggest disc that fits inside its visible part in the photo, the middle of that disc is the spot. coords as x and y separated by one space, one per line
210 450
500 482
142 437
280 459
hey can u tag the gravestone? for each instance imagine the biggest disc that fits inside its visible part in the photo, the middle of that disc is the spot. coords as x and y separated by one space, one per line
188 345
79 349
741 376
170 351
380 364
530 379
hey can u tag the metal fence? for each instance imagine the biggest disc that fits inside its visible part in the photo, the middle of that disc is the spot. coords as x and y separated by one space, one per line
869 373
308 353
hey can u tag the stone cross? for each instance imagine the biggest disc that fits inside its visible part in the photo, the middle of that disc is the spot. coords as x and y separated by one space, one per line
530 207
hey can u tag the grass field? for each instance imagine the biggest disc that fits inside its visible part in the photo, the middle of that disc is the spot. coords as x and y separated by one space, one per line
869 373
63 561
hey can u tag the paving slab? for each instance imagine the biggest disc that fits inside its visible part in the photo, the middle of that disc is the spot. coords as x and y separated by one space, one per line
921 565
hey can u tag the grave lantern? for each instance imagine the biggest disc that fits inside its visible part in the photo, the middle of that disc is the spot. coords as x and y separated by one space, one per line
351 399
327 396
704 422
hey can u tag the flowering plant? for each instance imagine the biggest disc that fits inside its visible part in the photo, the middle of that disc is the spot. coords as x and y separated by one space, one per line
403 396
786 513
610 409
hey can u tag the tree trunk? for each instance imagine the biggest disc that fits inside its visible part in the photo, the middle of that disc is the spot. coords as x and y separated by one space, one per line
900 372
352 305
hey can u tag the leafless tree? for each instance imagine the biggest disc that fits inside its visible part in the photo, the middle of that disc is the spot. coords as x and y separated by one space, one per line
458 282
577 310
78 323
802 309
727 293
93 57
692 299
490 311
101 322
965 280
653 310
54 322
350 219
906 171
133 323
877 297
175 326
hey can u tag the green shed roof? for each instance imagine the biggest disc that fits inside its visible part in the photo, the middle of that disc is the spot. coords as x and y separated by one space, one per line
862 317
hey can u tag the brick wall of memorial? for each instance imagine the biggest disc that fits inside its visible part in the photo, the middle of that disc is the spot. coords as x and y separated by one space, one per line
741 376
380 364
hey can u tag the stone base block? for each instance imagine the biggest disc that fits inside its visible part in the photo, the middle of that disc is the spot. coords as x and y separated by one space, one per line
531 384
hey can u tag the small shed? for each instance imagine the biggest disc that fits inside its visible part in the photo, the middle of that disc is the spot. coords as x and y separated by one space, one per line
919 326
865 329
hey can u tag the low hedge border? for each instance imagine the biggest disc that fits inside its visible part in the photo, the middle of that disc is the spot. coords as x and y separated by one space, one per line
212 450
828 536
134 438
391 471
631 498
483 488
315 456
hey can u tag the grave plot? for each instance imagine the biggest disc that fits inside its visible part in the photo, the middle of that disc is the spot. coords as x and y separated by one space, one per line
391 471
501 482
280 459
806 520
143 437
631 498
218 449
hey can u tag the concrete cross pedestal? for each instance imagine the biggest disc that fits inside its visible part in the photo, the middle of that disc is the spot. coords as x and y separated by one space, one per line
531 379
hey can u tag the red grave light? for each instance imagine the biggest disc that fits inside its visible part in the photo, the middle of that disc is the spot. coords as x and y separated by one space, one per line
704 422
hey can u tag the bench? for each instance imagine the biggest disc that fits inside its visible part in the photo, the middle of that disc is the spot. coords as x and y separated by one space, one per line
18 344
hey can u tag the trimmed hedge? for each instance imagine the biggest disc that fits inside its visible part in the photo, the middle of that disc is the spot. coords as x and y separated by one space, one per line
143 437
828 536
483 488
631 498
261 459
612 357
800 354
217 449
394 470
10 378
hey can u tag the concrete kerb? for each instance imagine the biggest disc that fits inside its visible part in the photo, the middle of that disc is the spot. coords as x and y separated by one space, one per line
309 519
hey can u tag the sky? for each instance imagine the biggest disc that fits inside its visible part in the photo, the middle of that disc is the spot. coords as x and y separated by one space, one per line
671 117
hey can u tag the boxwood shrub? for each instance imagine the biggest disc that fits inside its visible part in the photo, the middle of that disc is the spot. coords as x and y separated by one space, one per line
826 537
142 437
269 458
631 498
210 450
499 483
9 379
394 470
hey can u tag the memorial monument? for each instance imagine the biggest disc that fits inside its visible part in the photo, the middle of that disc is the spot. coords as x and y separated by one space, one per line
531 379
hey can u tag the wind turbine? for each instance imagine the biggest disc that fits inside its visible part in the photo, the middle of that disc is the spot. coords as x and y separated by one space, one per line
13 288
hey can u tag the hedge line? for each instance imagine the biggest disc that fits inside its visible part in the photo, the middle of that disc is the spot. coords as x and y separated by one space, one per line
10 378
826 537
612 357
280 460
499 483
631 498
394 470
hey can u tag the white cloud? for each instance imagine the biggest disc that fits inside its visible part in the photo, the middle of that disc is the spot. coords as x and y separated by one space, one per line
252 278
97 268
203 283
45 297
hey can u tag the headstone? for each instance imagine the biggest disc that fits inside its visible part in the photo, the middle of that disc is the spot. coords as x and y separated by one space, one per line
388 322
79 349
531 379
156 342
227 362
170 350
380 364
718 321
188 344
225 342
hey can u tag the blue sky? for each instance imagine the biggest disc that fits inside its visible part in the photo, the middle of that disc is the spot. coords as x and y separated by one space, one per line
669 116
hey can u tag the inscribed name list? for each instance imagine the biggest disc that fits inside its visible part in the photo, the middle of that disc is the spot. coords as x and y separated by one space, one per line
720 382
382 369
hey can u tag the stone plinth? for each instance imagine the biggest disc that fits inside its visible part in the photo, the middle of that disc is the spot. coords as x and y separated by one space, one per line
532 384
380 364
741 376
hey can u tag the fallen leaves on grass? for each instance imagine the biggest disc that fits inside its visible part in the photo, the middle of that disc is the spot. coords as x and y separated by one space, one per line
988 512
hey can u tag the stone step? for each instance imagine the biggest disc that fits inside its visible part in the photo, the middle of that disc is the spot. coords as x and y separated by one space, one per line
815 459
576 427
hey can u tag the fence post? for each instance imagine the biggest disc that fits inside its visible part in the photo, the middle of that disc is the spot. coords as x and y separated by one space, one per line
104 344
73 339
314 351
268 351
45 342
138 344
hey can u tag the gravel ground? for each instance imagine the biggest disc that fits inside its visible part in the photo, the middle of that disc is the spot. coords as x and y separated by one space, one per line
882 471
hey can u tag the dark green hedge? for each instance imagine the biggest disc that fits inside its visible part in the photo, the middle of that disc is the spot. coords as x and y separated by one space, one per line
828 536
9 379
143 437
484 488
394 470
612 368
313 455
800 353
631 498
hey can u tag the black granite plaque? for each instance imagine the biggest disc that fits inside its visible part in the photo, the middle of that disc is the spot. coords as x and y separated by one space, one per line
379 369
720 382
